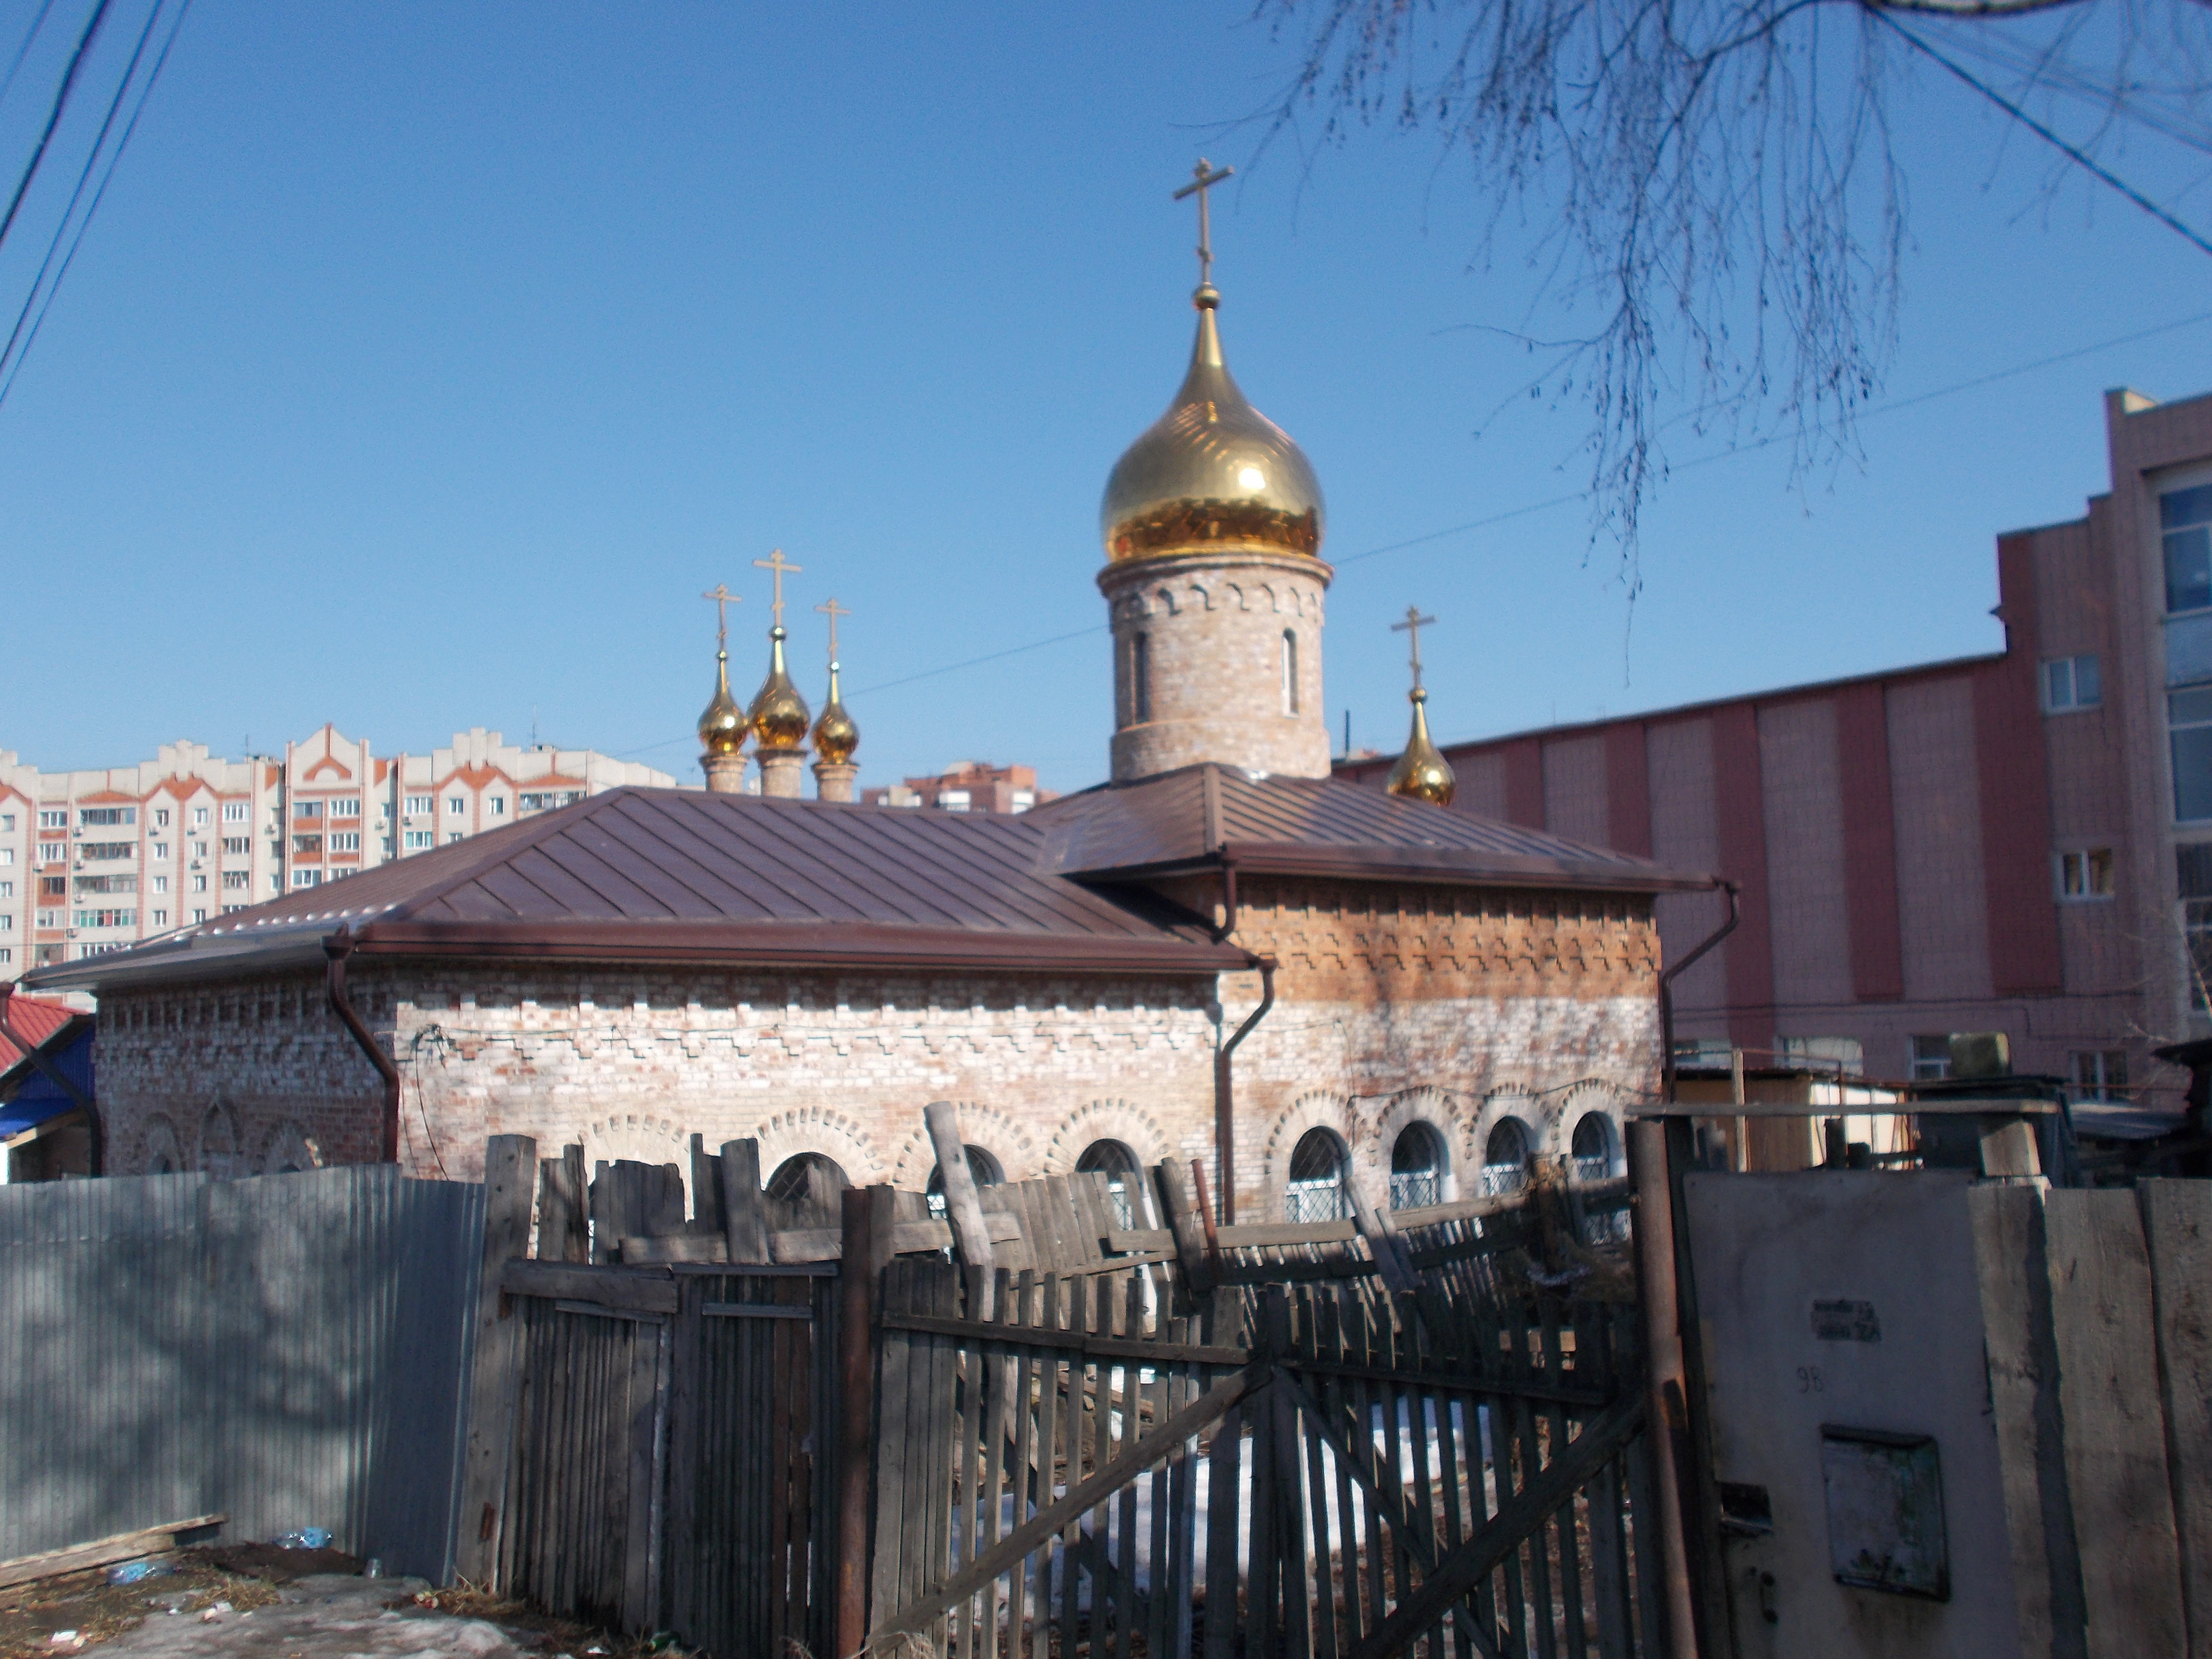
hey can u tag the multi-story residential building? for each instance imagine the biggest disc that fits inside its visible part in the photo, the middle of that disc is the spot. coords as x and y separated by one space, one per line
966 786
2019 843
93 860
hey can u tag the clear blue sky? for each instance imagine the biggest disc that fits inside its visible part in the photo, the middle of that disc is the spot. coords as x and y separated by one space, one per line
427 361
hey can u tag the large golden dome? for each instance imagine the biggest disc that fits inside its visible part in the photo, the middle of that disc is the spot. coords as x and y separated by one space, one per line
1212 473
722 727
779 714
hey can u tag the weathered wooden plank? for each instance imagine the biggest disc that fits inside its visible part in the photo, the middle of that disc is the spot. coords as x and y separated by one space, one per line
1073 1340
2105 1330
744 1210
2178 1231
754 1310
964 1214
674 1247
1255 1235
706 1188
510 1169
643 1291
101 1551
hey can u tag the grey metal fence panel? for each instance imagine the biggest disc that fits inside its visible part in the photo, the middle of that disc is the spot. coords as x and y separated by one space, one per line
287 1348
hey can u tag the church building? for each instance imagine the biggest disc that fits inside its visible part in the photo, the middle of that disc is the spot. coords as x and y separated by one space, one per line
1222 953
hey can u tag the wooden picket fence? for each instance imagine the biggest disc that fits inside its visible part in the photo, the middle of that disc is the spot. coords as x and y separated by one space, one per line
1353 1438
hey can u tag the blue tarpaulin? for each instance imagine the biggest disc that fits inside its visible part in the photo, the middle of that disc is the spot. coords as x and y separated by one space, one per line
37 1098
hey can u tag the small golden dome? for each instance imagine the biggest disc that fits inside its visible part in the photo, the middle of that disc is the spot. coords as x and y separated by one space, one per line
1422 771
779 713
835 738
722 727
1212 473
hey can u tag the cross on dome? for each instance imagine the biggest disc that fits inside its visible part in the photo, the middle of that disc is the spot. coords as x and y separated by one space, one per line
723 598
776 562
1412 624
1203 178
833 610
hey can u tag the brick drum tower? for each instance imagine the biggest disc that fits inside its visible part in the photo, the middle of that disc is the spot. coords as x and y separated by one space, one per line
1212 524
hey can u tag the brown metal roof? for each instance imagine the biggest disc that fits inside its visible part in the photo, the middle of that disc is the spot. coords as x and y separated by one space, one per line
676 875
1182 820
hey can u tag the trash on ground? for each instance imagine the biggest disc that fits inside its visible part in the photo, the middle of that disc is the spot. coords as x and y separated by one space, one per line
305 1538
133 1572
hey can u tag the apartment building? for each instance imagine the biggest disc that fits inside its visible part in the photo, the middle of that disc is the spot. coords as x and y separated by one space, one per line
93 860
966 786
2019 843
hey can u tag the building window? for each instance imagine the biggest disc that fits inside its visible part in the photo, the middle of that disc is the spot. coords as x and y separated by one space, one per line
6 855
1290 671
306 809
2185 521
231 910
1506 1159
498 805
233 881
200 915
234 812
107 884
306 878
105 850
7 889
452 835
1931 1058
2193 874
2086 874
276 880
157 848
457 806
345 840
237 847
417 840
2072 682
159 918
50 919
421 803
199 817
307 847
105 918
7 924
161 884
6 955
953 801
1124 1178
7 821
983 1169
1021 801
199 849
1841 1057
1140 679
2100 1075
1315 1190
346 806
1417 1166
199 884
160 818
53 852
807 1185
53 819
2188 718
107 817
53 886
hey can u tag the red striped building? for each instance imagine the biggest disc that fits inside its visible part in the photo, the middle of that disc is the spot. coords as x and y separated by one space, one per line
2017 842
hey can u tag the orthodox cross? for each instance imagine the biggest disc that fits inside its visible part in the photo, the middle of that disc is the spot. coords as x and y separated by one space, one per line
1412 624
723 598
833 610
776 562
1203 177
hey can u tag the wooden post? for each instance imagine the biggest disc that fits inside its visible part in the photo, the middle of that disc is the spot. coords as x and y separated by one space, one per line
868 1251
705 1189
2178 1228
1183 1221
510 1165
745 1214
578 1245
1667 1417
971 1234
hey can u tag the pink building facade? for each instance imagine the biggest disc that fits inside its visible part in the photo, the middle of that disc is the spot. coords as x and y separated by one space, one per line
2017 842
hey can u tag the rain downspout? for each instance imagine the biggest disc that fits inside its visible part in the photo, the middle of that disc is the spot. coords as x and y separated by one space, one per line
1225 1113
338 948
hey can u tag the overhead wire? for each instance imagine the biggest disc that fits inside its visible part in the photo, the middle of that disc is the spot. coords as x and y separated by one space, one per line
53 117
84 177
24 50
84 224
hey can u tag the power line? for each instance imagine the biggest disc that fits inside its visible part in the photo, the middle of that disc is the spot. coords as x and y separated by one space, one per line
54 116
24 50
84 177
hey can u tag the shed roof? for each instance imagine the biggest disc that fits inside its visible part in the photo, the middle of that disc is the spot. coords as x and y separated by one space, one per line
1185 820
35 1020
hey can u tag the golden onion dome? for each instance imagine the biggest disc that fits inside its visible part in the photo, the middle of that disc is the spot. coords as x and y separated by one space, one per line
1422 771
779 714
836 736
1213 472
722 727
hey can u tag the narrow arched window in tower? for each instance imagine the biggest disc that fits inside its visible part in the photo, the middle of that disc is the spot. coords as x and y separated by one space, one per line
1290 671
1140 680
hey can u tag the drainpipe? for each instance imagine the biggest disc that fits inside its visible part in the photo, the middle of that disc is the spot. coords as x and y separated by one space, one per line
338 948
1225 1113
1228 924
1666 990
96 1152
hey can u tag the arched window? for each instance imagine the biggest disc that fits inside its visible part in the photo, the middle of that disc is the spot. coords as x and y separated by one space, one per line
1124 1180
1290 671
1593 1147
807 1185
983 1168
1506 1159
1140 679
1318 1168
1417 1167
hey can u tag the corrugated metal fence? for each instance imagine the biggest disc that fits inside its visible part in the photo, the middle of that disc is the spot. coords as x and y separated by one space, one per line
288 1349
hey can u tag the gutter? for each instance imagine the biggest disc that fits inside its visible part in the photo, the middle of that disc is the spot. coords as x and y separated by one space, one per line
1666 990
338 948
1224 1111
44 1065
